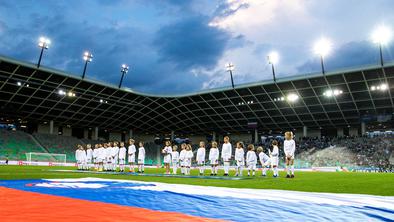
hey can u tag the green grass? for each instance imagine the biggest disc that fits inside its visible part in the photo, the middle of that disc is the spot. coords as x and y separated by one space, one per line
331 182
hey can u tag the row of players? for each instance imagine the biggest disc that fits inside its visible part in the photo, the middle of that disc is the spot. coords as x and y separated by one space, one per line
108 155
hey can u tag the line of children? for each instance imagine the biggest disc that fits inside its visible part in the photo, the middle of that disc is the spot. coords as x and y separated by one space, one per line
108 156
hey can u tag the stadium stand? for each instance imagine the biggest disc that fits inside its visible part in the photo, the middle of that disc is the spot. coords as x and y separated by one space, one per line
14 145
59 144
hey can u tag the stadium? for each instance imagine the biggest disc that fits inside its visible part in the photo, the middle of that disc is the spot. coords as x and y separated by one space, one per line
340 123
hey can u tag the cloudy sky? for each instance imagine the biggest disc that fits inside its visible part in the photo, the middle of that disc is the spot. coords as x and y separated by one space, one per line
178 46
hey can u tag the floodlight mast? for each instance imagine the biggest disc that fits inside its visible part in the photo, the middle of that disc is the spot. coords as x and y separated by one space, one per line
43 43
381 36
322 48
88 57
124 69
230 67
273 58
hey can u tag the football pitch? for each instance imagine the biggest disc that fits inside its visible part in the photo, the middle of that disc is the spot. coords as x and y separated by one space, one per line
327 182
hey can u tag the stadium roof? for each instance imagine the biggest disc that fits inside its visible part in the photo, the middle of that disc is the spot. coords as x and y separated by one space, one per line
33 94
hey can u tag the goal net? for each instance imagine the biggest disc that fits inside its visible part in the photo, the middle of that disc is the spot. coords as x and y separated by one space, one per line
46 157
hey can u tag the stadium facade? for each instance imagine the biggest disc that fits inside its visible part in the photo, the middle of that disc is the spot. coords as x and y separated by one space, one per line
346 102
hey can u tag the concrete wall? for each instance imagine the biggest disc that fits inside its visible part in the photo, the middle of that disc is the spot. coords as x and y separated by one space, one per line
115 136
314 133
353 132
43 128
66 131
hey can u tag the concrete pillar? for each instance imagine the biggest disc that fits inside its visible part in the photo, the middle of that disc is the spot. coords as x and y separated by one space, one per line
214 136
304 131
95 133
51 127
340 132
363 130
256 135
172 135
130 134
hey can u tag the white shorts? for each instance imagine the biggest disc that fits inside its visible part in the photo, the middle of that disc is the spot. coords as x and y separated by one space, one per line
275 161
131 158
240 163
140 161
252 166
200 162
122 161
175 162
226 159
214 162
266 163
89 160
167 158
188 163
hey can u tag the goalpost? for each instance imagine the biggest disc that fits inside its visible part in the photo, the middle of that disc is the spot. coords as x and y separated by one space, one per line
33 157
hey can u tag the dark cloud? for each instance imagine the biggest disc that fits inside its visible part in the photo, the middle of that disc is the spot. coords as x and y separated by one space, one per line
191 43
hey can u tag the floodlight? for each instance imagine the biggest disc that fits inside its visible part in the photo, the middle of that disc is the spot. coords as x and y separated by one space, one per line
322 47
230 67
19 83
381 35
330 92
87 56
292 97
43 43
273 57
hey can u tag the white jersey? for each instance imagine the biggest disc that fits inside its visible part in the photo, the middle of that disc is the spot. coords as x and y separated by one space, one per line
175 156
115 152
101 153
122 153
141 155
89 154
131 150
226 151
263 158
251 157
275 156
95 153
200 157
182 155
289 147
108 152
82 155
213 155
239 156
167 150
77 155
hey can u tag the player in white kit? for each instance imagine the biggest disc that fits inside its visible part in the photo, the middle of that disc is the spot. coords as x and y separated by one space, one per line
182 158
89 155
239 159
200 157
188 159
95 156
131 154
100 157
264 160
78 157
275 157
166 151
226 154
141 157
214 158
115 156
122 156
174 159
251 159
289 149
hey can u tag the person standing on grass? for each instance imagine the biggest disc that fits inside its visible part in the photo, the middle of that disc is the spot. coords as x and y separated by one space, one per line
131 152
214 158
174 159
226 154
122 156
141 157
166 151
289 149
200 157
239 158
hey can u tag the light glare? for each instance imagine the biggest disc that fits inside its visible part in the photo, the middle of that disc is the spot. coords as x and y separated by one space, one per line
322 47
273 57
381 35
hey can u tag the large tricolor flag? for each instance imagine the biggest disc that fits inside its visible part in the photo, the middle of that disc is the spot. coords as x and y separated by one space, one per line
94 199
